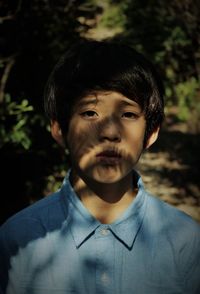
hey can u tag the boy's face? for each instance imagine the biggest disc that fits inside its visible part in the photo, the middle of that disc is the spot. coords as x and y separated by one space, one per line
105 137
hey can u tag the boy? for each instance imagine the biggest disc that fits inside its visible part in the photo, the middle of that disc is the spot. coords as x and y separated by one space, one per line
102 232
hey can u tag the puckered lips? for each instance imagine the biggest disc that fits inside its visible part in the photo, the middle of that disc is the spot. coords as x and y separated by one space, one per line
109 156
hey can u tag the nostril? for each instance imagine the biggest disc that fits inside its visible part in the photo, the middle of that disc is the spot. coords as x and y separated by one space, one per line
113 139
110 136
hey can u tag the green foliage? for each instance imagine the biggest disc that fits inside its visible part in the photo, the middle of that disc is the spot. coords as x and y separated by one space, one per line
187 93
177 38
13 125
113 15
168 33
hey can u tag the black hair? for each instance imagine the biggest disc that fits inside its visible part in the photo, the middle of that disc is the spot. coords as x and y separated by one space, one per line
89 66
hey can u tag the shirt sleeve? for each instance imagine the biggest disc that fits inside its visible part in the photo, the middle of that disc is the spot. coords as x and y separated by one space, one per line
191 258
16 233
4 261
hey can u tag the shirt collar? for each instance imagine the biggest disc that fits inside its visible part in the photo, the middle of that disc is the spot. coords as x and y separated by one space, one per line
83 224
127 226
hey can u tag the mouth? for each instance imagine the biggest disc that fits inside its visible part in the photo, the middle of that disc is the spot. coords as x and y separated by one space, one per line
109 157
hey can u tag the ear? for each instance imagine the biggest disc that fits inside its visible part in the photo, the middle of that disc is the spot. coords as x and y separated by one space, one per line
57 133
152 138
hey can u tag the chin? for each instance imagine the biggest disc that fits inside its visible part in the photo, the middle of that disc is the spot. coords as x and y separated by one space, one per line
108 175
111 180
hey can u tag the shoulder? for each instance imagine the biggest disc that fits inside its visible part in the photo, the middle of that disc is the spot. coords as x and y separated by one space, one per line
177 235
30 224
38 210
173 225
35 221
165 215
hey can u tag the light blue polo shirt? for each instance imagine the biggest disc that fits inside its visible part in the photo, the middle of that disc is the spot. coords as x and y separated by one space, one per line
57 247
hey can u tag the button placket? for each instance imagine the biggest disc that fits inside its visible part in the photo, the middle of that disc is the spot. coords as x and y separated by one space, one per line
105 258
105 278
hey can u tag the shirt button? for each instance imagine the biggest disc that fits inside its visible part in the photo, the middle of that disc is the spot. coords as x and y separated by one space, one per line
104 232
105 278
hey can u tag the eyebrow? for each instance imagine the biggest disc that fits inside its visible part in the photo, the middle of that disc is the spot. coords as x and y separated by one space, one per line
135 106
94 100
87 102
127 103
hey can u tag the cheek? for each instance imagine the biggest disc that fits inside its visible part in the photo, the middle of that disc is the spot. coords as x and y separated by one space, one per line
135 137
80 138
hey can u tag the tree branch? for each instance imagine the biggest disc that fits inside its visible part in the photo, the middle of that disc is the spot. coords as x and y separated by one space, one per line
7 69
13 15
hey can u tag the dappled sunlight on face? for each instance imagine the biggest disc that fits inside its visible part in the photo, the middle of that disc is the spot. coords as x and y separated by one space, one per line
105 137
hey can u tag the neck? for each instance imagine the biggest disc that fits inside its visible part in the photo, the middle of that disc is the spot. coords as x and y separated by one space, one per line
106 202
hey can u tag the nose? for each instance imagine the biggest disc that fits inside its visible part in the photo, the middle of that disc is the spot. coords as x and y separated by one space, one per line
109 131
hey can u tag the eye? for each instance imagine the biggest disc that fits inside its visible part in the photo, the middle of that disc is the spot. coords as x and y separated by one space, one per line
89 114
130 115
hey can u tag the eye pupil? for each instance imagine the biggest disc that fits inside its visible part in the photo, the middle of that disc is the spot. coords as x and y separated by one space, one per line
90 113
129 114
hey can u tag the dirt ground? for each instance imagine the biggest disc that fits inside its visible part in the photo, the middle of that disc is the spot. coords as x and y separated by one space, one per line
171 168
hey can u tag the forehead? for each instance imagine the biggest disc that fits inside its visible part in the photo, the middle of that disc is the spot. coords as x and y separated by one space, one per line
106 97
